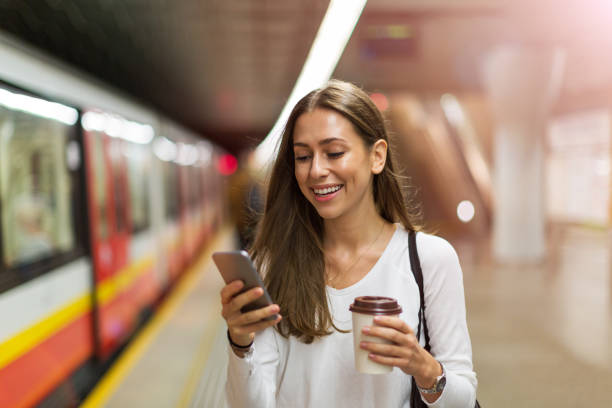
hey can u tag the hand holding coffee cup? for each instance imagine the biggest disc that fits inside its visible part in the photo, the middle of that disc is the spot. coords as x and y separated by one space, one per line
383 341
364 309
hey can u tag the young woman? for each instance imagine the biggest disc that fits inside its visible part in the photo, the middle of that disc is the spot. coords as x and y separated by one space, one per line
335 226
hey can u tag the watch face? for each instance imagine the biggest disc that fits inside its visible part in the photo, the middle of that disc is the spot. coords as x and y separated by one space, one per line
440 385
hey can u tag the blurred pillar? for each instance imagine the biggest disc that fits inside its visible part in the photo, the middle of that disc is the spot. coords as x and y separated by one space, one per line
521 83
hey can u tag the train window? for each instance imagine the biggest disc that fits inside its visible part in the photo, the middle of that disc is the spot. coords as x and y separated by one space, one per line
35 188
171 190
101 184
116 152
197 183
191 188
138 170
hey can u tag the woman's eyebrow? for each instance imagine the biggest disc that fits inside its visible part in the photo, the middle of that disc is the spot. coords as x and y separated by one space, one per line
322 142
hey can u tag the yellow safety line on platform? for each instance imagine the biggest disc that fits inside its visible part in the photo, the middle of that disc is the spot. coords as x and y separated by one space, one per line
109 383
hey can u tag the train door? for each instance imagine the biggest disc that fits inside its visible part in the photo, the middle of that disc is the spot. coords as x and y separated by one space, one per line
120 239
183 217
108 207
172 218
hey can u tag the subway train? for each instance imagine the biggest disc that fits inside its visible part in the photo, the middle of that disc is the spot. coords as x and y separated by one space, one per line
104 203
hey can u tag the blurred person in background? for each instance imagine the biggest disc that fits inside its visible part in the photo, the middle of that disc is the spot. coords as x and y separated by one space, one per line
336 226
246 203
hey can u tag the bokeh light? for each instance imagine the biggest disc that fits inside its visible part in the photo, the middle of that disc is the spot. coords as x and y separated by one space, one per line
380 100
465 211
227 165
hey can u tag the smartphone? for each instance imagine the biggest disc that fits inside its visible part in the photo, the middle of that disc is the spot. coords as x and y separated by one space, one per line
237 265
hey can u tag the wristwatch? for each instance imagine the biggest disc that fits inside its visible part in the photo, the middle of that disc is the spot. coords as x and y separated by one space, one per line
438 385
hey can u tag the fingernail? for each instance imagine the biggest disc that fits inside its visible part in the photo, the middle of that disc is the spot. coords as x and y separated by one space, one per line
377 319
365 330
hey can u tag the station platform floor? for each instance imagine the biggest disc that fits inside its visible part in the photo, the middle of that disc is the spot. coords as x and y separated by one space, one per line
179 358
541 334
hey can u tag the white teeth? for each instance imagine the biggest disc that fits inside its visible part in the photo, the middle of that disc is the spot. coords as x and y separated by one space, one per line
327 190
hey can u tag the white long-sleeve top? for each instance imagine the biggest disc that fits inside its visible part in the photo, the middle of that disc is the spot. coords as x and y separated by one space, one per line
281 372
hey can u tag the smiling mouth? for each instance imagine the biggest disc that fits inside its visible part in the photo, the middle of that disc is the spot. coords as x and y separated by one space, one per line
322 192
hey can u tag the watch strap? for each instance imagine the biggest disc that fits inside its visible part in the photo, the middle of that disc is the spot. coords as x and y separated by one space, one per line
438 385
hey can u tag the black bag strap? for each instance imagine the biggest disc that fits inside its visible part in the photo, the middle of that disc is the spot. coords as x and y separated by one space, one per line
415 265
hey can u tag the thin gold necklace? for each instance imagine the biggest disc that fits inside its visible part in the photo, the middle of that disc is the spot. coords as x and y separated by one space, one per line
331 281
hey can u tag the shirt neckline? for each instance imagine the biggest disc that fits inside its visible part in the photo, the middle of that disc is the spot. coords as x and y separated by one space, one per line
373 269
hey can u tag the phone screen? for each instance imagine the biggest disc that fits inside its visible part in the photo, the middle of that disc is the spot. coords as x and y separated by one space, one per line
237 265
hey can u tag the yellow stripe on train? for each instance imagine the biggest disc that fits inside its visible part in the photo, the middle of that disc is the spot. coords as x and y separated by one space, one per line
27 339
111 287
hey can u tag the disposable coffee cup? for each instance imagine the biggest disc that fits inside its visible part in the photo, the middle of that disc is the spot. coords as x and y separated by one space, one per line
364 309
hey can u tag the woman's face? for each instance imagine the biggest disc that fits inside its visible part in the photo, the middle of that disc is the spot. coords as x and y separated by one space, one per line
333 167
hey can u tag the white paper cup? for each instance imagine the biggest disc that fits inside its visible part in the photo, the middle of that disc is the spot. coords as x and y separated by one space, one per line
364 309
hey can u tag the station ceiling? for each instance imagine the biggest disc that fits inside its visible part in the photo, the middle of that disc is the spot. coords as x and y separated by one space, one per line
225 68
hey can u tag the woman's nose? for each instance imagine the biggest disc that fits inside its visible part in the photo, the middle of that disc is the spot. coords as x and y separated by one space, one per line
318 167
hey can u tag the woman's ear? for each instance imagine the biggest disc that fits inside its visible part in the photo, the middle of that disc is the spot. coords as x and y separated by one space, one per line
378 156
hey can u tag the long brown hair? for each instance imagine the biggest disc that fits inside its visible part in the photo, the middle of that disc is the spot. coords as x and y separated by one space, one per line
288 247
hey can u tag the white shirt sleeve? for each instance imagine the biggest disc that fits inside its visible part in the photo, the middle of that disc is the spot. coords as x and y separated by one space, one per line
446 320
251 381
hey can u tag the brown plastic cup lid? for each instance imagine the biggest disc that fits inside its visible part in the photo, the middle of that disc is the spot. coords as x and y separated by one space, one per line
375 305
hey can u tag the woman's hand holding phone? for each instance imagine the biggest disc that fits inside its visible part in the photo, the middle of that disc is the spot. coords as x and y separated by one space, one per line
243 326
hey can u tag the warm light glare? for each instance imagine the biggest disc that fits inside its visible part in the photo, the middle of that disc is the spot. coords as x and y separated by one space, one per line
116 126
380 100
38 107
206 152
602 167
188 155
165 149
452 109
334 32
137 133
93 122
183 154
390 31
465 211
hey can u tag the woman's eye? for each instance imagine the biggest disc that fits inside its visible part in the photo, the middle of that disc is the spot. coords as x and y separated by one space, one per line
301 158
335 155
